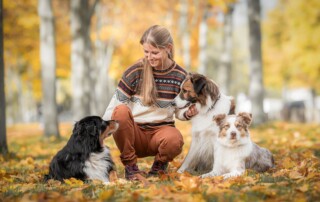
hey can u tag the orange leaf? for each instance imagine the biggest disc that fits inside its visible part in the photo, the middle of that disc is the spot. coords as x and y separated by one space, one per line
107 194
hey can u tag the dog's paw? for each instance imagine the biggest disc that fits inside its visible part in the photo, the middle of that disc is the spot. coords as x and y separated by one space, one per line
180 171
232 174
210 174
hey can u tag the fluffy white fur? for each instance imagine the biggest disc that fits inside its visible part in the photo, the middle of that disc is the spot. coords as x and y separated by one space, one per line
200 156
95 166
204 134
234 151
230 152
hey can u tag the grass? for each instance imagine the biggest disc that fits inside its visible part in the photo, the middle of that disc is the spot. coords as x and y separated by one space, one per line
295 178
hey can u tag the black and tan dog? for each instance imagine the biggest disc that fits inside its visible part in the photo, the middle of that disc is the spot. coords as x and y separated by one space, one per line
85 156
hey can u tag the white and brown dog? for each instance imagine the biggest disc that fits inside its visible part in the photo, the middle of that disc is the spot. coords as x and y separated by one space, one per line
234 151
209 101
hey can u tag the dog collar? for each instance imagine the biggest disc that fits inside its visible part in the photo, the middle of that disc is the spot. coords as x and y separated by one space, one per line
213 105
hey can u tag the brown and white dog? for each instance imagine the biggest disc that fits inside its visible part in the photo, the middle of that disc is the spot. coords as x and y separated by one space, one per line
209 101
234 151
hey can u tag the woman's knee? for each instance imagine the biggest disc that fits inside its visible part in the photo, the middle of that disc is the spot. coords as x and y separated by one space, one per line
173 140
121 113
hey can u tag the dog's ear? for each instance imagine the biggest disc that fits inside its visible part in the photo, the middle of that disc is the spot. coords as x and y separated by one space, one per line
219 119
246 117
232 107
77 128
199 84
92 130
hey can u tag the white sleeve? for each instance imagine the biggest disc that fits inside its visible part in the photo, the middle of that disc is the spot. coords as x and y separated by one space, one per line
113 103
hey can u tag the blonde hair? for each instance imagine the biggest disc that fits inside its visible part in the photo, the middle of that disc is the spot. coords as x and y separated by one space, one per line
159 37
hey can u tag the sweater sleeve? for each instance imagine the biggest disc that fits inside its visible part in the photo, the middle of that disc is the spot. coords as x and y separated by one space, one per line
125 90
113 103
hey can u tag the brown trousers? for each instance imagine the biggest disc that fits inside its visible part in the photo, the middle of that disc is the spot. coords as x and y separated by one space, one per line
164 142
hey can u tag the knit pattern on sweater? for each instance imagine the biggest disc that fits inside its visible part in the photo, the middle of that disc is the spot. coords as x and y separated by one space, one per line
167 81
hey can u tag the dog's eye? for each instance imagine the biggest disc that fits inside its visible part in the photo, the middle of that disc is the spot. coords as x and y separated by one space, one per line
238 126
184 91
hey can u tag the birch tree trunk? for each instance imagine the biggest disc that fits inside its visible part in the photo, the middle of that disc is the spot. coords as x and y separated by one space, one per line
185 34
48 68
203 30
81 14
104 87
3 134
256 89
225 67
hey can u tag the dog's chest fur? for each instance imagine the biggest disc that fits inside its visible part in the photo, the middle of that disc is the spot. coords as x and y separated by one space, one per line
202 122
98 165
230 158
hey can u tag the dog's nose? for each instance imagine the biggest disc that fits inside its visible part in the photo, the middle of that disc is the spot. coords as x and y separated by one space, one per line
233 135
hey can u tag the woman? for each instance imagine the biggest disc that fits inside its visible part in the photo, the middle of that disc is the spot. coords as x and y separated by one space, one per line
143 104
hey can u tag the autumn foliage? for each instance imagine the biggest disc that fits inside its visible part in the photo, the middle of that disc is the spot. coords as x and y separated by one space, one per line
295 178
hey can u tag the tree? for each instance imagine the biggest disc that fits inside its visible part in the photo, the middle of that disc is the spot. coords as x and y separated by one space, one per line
81 13
184 34
203 29
256 89
48 68
104 50
291 45
225 66
3 135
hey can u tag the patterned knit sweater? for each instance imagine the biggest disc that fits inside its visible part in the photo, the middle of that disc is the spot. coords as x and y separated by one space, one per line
167 82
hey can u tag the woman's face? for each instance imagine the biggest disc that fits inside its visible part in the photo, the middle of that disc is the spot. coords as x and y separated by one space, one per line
156 57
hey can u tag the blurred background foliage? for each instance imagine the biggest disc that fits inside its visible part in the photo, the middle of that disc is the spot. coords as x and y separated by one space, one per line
290 46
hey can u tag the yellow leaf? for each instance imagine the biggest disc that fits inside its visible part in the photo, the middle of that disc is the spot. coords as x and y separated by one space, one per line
303 188
288 163
73 181
188 183
54 183
2 171
8 179
295 175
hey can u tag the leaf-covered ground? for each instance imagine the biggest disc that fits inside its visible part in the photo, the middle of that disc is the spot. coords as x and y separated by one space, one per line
296 149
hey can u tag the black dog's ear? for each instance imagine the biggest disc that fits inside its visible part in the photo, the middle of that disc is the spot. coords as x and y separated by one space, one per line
199 84
77 128
92 130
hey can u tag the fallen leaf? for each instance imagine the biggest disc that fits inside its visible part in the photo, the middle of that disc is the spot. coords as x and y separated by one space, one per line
73 181
295 175
107 194
303 188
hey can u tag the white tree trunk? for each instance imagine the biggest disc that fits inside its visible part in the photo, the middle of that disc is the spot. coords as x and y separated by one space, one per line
104 86
203 30
225 67
256 89
80 57
48 67
185 34
3 134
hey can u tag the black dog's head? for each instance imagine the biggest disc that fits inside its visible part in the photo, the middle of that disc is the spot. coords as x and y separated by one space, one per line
88 133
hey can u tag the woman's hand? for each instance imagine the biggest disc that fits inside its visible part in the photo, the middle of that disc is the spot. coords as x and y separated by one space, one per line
192 111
